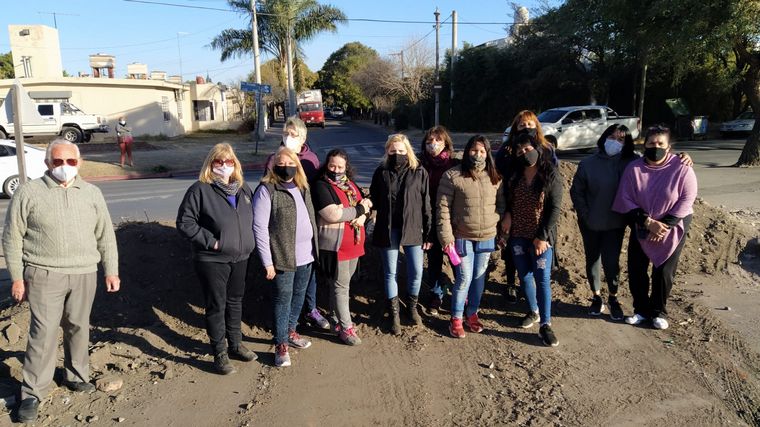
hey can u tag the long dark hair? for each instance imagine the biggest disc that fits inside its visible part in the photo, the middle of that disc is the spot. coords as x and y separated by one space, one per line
628 146
337 152
546 173
442 133
467 165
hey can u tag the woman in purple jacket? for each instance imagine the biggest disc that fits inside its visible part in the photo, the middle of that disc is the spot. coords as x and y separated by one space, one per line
656 194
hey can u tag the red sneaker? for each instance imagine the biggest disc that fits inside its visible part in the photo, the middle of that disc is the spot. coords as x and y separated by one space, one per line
455 328
473 324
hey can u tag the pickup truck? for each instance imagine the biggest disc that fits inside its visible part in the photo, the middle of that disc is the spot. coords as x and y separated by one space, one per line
579 127
58 118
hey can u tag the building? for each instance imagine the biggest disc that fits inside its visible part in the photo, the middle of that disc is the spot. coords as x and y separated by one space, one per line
152 103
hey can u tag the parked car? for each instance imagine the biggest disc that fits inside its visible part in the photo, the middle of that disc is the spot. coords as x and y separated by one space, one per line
35 165
337 113
579 127
741 125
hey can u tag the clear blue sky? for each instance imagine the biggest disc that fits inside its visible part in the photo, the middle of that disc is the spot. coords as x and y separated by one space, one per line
147 33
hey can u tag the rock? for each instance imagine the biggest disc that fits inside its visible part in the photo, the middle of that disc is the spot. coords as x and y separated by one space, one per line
248 405
491 376
491 366
120 419
79 417
65 400
11 368
12 333
92 419
167 374
108 384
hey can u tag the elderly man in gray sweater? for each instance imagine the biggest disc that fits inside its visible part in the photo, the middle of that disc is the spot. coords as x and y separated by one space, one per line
57 229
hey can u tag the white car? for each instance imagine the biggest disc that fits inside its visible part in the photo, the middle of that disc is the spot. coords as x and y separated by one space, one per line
740 125
35 165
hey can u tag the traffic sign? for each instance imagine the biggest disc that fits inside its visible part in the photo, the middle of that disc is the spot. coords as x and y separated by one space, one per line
266 88
249 87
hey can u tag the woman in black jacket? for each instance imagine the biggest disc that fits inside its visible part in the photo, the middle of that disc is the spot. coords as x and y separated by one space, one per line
400 194
217 217
535 198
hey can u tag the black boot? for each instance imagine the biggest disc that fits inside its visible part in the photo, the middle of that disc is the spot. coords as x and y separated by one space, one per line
411 307
395 320
240 352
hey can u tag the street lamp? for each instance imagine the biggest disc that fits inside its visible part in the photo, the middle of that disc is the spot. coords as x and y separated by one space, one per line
179 50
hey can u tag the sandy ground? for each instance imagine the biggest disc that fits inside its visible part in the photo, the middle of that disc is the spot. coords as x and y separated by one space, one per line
151 336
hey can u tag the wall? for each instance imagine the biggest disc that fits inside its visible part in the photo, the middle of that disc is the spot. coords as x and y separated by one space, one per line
41 45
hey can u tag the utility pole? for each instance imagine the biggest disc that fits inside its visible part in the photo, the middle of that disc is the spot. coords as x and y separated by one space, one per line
261 114
436 85
19 132
55 14
453 59
291 84
642 88
179 52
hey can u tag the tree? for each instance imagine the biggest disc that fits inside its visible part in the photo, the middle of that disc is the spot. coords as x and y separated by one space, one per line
6 66
369 80
336 76
305 18
413 75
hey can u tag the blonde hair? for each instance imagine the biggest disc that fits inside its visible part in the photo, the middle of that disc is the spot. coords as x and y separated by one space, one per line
297 124
220 151
300 178
400 137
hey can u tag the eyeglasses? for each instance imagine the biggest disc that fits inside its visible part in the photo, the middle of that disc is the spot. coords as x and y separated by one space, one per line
220 162
70 162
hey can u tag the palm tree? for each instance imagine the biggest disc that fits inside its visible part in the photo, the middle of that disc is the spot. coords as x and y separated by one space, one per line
302 19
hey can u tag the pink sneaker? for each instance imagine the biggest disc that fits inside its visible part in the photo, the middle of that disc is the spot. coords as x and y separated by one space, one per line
455 328
473 323
349 337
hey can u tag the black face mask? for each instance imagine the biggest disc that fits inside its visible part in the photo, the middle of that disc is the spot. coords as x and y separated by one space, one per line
335 176
286 173
655 154
398 161
530 158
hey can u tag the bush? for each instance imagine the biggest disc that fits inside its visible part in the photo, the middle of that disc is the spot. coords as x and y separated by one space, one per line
248 125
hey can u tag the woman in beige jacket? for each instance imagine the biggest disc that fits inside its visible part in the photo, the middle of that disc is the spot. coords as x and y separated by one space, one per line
470 204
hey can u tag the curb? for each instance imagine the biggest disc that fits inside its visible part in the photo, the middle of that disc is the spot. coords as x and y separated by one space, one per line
170 174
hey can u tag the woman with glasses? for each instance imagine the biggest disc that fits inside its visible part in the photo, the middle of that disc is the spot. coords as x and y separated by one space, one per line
656 194
217 217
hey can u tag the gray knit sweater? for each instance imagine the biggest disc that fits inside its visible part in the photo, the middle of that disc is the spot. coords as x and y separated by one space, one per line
66 230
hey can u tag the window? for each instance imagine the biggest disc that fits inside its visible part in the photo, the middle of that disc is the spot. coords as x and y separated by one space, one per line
45 110
203 111
165 107
4 151
593 114
574 117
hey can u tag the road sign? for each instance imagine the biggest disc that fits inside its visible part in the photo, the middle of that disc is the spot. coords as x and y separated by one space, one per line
249 87
266 88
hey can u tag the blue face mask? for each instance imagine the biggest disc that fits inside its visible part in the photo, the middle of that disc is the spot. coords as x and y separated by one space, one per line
612 147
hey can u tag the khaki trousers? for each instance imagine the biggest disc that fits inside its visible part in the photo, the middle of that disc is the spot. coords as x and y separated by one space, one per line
64 300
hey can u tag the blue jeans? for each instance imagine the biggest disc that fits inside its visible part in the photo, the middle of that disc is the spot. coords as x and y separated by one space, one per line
470 280
289 290
413 255
534 271
311 293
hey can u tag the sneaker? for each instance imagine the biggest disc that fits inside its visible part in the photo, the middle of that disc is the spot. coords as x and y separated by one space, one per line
597 306
222 365
281 356
455 328
297 341
473 323
547 336
27 410
529 320
616 310
434 304
79 386
511 294
636 319
349 337
240 352
660 323
317 320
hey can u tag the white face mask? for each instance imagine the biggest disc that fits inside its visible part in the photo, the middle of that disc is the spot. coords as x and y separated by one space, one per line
122 122
65 173
435 149
224 171
613 147
293 143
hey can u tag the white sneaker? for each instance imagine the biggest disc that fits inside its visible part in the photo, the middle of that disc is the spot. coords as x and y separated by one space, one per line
636 319
281 356
660 323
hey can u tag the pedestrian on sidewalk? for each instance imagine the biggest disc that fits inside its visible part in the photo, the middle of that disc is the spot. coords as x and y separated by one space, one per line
533 208
400 193
341 212
437 157
470 205
125 140
294 137
656 194
286 239
57 230
216 216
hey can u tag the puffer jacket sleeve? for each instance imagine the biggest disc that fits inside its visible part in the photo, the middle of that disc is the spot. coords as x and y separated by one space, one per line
427 213
445 202
501 200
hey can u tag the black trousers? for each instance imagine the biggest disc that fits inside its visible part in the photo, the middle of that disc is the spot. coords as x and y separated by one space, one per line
646 304
510 271
223 286
602 247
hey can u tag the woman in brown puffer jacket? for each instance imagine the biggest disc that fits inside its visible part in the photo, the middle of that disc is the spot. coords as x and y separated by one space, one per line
470 205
